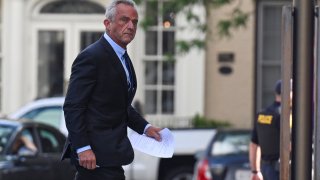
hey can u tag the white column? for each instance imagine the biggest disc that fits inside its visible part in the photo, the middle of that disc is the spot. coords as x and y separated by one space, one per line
190 70
13 54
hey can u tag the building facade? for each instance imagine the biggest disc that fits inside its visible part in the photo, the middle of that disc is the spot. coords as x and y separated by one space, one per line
41 38
253 54
227 81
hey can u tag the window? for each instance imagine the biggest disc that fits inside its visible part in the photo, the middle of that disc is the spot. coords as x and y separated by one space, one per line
47 115
50 142
6 132
24 143
88 37
231 143
50 63
58 43
269 50
72 7
159 66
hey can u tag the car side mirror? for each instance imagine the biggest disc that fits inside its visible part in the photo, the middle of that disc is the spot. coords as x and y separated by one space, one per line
199 154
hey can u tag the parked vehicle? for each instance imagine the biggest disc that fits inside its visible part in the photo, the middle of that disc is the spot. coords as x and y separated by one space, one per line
226 157
144 167
31 150
46 110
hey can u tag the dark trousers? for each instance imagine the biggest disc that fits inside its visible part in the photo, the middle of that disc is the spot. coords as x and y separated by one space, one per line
101 173
270 170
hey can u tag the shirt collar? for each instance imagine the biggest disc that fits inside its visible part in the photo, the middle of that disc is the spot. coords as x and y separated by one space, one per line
118 49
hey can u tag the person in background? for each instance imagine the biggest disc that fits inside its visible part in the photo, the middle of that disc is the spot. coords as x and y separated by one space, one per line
98 106
24 146
264 148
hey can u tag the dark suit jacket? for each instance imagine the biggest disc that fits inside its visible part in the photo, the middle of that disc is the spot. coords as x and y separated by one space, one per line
98 107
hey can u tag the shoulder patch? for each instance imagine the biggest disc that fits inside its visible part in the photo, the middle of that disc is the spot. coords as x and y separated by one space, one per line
265 119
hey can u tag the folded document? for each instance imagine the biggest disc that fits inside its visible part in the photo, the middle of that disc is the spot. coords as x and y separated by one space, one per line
145 144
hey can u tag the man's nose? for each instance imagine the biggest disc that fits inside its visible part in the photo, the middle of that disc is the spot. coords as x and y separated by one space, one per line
131 25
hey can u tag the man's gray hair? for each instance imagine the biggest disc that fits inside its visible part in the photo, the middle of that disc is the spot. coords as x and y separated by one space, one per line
111 9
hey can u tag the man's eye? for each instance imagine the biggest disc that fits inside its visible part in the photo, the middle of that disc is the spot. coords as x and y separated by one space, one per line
124 19
135 23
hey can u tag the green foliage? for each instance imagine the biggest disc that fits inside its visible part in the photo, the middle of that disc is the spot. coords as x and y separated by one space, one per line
202 122
224 27
185 46
237 18
218 3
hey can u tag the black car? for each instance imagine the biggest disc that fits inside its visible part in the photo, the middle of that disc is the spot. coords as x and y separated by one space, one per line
31 150
226 157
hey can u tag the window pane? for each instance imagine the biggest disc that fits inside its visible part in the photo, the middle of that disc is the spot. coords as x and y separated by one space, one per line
152 13
272 74
168 73
272 33
6 132
168 43
50 63
231 143
151 43
73 7
151 74
49 142
24 144
169 14
48 115
151 102
167 102
88 38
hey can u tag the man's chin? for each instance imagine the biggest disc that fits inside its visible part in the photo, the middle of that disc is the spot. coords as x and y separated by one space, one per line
127 40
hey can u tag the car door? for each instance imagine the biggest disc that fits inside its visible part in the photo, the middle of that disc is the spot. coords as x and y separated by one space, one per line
27 163
52 142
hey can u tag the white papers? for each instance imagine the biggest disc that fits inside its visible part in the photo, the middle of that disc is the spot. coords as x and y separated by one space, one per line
145 144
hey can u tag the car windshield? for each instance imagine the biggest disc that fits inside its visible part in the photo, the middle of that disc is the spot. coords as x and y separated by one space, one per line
5 134
231 143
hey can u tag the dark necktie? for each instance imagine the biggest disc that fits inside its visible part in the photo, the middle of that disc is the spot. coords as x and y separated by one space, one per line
128 66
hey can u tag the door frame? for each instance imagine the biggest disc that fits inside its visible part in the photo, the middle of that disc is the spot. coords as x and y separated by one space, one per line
72 37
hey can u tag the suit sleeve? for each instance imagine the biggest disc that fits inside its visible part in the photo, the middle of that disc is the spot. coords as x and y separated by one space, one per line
136 121
81 85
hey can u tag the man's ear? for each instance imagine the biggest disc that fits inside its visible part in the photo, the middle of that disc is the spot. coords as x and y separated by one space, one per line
106 23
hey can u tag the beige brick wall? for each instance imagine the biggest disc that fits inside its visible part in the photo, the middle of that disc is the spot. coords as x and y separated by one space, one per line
230 97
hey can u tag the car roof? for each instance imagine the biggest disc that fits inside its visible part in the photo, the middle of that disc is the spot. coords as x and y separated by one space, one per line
40 103
233 130
19 122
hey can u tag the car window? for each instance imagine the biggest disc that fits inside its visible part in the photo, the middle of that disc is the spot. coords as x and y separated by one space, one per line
231 143
49 115
24 143
50 141
5 134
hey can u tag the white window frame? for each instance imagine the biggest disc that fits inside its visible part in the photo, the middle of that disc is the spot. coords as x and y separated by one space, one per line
160 58
261 63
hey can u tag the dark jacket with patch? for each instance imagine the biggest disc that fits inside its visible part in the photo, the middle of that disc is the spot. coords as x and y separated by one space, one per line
266 132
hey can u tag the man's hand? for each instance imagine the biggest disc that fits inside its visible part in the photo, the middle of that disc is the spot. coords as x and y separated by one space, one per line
257 176
154 132
87 159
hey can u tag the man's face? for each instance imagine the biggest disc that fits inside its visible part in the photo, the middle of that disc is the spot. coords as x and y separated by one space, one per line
124 26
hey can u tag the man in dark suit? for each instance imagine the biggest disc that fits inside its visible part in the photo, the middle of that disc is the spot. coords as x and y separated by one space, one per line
98 106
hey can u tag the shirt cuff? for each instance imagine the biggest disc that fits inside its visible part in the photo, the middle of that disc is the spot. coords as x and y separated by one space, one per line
83 149
145 129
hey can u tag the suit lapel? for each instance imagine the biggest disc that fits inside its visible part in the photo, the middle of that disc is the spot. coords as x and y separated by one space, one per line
115 62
